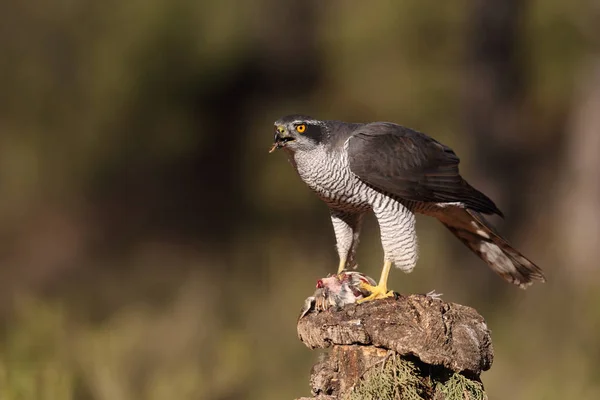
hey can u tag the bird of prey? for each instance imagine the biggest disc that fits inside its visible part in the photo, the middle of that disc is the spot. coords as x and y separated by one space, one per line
394 172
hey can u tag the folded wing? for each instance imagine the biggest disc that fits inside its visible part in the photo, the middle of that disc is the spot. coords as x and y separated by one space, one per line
412 166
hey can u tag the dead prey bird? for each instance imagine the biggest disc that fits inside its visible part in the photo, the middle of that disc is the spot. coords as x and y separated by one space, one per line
336 291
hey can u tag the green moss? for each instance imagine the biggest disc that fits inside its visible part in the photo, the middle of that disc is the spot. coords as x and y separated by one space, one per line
459 387
396 379
402 379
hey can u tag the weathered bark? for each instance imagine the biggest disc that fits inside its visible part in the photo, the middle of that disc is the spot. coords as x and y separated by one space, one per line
410 347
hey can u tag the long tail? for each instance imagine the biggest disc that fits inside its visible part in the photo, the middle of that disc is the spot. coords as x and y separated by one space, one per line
480 236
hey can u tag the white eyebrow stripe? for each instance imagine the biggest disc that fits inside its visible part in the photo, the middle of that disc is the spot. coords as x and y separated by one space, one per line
306 121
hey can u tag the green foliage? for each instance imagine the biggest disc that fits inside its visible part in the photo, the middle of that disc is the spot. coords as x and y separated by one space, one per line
33 361
401 379
139 353
396 379
459 387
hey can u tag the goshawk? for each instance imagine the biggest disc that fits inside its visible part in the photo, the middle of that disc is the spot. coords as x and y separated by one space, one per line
394 172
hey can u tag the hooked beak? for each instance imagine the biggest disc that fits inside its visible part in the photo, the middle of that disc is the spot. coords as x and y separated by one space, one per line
281 138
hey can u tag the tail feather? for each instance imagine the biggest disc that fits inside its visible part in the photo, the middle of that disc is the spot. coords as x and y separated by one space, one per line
481 237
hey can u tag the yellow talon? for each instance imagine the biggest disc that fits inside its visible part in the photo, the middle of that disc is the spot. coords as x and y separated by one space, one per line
377 292
380 291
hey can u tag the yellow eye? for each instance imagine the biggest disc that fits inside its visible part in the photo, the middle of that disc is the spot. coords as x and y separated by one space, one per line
301 128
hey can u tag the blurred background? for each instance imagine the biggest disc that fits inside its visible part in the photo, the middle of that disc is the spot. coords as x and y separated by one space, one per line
152 249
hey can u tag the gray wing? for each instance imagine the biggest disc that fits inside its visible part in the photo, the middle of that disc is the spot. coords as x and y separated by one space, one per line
412 166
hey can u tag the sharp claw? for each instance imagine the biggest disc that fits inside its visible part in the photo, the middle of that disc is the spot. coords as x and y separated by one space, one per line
376 293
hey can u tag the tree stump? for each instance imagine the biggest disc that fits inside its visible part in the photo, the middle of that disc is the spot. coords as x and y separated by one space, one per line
410 347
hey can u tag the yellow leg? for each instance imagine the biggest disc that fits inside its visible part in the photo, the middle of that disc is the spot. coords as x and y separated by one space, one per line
342 265
385 272
380 291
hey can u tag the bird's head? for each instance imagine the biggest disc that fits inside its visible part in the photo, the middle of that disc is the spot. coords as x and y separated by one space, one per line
298 133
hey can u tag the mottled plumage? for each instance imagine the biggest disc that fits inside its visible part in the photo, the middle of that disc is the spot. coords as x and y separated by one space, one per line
394 172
